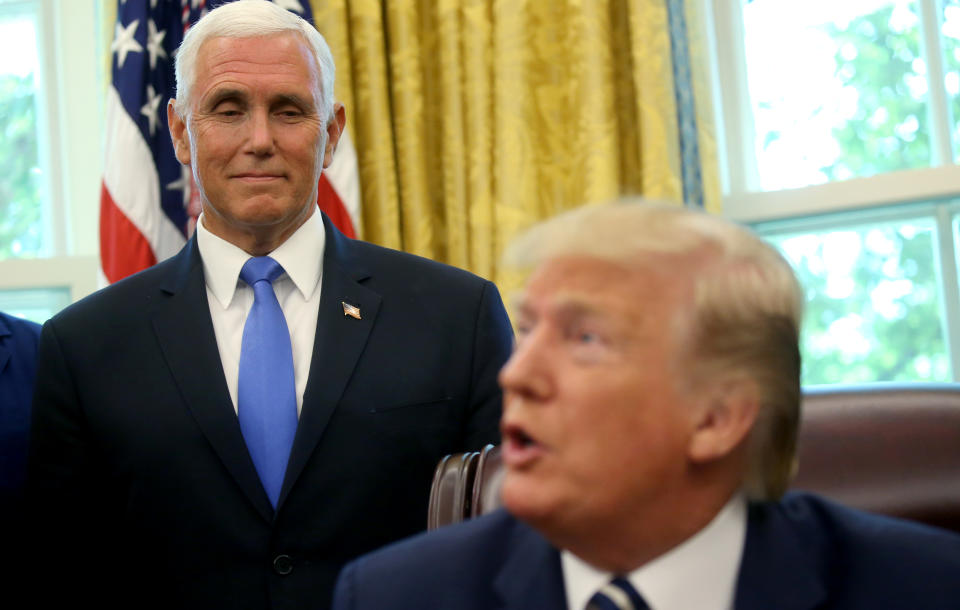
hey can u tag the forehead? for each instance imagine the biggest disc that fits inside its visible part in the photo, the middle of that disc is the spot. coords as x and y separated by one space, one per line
592 283
277 60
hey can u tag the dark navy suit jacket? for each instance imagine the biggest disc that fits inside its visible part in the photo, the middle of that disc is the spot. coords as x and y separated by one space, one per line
18 367
800 553
141 481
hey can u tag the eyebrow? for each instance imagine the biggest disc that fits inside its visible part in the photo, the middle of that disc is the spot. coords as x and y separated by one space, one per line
221 95
563 304
296 100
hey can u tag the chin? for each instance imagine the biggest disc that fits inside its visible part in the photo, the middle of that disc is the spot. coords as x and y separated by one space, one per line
526 499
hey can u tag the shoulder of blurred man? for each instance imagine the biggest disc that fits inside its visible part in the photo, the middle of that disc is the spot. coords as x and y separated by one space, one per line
801 552
488 562
806 547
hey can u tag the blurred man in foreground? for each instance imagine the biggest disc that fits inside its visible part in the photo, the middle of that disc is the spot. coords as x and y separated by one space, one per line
651 410
228 428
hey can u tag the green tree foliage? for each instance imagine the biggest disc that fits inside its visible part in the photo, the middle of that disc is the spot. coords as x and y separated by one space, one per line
890 129
876 316
880 56
20 194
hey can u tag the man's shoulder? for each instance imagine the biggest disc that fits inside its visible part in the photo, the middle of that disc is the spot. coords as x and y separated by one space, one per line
858 555
19 328
129 297
811 513
463 542
380 260
453 567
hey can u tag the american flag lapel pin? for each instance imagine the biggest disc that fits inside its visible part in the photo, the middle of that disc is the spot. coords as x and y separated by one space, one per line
350 310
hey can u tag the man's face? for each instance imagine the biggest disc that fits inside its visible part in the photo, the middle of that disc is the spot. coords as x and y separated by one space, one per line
595 427
255 137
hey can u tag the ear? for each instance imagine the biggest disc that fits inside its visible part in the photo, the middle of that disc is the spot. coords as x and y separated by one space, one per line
334 130
724 419
179 134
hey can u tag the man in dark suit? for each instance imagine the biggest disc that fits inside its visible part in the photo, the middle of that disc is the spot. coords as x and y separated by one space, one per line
164 470
650 421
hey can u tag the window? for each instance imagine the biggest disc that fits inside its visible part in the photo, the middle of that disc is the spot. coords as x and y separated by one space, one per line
876 303
23 228
841 147
51 152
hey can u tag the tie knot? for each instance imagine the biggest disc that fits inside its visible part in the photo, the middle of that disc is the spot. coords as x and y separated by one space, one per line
260 268
618 594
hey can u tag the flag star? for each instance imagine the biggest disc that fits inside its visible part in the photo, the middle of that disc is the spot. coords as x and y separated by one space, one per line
153 4
290 5
151 109
155 43
183 184
124 42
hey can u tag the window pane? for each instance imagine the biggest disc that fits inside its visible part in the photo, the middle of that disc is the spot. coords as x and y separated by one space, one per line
873 302
37 304
950 29
21 180
838 89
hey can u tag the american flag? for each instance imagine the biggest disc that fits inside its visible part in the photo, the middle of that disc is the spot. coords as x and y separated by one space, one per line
148 202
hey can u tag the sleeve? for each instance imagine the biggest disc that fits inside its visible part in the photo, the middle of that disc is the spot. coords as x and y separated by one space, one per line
343 593
492 344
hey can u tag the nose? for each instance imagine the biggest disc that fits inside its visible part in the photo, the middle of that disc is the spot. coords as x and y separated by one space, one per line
260 140
528 371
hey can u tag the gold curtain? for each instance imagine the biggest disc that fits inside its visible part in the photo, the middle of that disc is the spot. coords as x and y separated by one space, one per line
475 118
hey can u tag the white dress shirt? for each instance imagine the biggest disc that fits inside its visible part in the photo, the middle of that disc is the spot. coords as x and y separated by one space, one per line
699 574
297 290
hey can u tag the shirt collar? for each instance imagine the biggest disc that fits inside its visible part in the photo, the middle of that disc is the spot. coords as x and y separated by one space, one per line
301 257
710 558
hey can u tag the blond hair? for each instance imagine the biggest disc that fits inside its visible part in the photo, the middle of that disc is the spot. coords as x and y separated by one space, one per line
747 307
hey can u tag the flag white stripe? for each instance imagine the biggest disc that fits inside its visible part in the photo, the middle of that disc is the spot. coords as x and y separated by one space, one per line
131 178
344 178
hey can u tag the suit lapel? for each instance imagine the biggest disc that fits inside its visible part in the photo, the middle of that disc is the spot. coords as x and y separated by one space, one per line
778 569
185 333
530 575
337 346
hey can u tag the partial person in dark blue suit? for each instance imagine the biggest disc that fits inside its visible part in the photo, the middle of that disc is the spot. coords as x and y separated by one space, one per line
18 368
651 411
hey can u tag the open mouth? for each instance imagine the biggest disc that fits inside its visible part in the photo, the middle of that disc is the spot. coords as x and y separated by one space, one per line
520 438
519 447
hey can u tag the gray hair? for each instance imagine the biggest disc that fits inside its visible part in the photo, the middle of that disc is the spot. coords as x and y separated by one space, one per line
250 19
746 313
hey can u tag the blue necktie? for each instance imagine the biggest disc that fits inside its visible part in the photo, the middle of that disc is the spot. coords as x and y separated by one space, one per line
618 594
266 391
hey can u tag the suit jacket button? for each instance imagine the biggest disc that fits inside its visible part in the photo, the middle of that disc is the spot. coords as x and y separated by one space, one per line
282 565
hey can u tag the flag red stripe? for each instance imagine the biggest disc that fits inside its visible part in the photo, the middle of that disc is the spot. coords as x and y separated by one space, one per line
123 248
330 202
